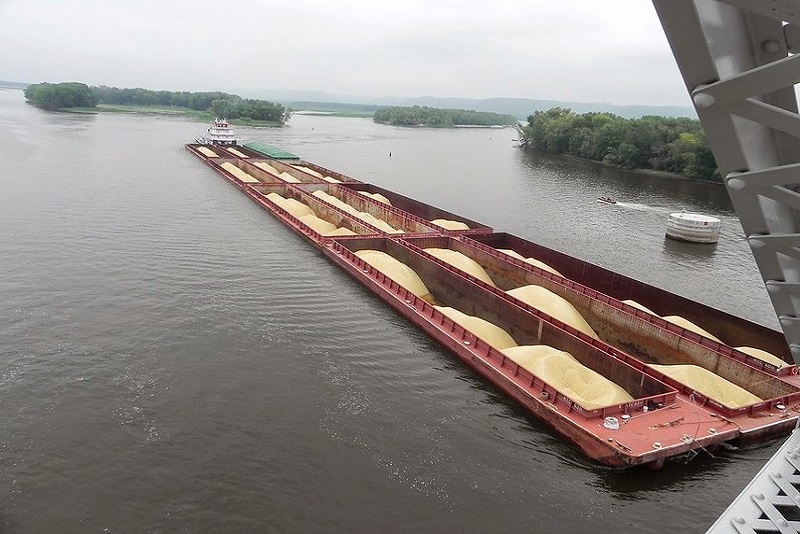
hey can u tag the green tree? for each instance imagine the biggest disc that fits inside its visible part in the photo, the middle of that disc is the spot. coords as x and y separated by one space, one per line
439 118
55 96
671 144
216 103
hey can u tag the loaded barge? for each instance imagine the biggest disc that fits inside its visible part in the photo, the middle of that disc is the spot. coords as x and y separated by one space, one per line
629 373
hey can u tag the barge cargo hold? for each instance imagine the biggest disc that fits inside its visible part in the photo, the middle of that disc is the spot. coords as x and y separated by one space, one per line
661 415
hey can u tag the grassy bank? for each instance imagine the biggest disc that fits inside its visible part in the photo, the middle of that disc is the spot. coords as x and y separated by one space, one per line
321 113
169 111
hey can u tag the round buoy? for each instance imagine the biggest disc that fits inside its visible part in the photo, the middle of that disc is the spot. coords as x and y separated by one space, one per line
693 227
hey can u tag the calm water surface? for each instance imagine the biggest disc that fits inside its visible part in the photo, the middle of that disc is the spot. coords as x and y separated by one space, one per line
173 359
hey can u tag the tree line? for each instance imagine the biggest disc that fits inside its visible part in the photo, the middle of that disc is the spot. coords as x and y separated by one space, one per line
670 144
442 118
54 96
70 95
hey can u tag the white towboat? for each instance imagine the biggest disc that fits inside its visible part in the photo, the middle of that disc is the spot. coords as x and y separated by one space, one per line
693 227
219 133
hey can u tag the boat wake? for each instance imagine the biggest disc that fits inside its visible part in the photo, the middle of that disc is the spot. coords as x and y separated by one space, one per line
643 207
636 206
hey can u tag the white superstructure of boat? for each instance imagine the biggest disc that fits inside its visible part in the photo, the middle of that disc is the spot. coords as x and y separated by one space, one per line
219 133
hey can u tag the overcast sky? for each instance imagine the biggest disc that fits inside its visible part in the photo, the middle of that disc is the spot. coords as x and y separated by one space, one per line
576 50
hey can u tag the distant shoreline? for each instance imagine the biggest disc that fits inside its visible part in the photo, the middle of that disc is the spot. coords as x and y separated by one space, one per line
166 111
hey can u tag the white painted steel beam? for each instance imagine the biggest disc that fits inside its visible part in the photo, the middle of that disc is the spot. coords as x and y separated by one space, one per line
734 57
770 502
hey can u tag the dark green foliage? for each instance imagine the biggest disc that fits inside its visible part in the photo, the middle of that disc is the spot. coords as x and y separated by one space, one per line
219 104
146 97
53 96
661 143
447 118
71 95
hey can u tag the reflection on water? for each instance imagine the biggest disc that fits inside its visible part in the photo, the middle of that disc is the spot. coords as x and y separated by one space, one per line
684 251
692 473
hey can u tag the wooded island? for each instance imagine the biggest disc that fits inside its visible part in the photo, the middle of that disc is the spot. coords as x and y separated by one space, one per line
440 118
71 95
676 145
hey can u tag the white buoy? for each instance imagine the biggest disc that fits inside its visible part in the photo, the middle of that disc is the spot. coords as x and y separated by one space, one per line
693 227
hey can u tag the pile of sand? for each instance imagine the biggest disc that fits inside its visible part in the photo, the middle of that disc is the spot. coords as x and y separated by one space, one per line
207 152
398 271
461 262
238 153
553 305
639 307
364 216
307 216
376 196
238 173
323 227
533 261
263 165
489 332
308 170
709 384
688 325
568 376
447 224
317 174
763 356
290 178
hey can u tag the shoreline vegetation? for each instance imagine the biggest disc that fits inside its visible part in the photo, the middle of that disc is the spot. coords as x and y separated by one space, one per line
80 98
663 146
440 118
676 146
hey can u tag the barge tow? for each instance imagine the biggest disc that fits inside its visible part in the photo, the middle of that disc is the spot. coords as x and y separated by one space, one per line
631 341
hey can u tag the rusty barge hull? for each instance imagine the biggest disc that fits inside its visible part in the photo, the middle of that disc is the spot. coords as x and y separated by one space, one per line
666 419
651 428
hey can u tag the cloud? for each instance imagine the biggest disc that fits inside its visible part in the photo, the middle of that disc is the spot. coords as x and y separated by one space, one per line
610 51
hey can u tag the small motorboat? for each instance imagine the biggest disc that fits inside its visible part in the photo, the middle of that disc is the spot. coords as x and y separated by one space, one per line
606 200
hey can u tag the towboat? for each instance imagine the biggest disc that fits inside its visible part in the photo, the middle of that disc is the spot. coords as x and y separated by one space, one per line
633 343
219 133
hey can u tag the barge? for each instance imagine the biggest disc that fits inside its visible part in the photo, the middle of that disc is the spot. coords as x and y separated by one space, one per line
632 341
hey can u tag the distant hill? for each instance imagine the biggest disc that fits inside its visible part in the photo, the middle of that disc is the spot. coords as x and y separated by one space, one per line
13 85
519 107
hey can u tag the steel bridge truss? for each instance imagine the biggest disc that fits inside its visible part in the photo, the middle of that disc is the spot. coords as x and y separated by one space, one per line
737 59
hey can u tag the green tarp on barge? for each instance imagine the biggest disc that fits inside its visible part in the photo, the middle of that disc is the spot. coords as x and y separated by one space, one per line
270 151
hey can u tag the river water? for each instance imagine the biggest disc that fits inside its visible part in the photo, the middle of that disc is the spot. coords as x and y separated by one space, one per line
173 359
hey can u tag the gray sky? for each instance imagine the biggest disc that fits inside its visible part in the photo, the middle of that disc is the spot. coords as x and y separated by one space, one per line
578 50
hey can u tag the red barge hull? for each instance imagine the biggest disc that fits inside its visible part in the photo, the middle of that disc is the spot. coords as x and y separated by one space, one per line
666 419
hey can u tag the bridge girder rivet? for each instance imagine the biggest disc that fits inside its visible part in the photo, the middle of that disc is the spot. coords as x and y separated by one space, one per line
736 184
771 47
703 100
